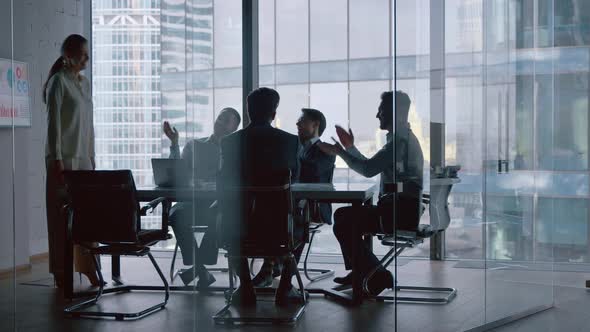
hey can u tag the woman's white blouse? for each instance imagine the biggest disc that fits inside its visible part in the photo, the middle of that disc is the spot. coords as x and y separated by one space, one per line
70 126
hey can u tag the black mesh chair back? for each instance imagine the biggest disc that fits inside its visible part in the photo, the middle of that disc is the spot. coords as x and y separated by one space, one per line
406 204
409 207
104 206
256 215
409 232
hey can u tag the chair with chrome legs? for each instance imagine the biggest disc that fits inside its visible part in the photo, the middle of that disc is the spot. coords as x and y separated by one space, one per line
437 202
315 223
259 213
175 272
103 208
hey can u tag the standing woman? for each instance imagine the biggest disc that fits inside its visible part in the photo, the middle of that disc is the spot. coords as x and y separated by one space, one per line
70 146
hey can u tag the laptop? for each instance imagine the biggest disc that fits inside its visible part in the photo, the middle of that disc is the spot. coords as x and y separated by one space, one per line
171 172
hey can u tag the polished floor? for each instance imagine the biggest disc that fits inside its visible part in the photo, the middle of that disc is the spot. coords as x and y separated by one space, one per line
508 290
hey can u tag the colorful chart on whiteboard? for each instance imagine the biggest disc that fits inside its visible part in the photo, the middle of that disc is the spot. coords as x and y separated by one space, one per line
14 94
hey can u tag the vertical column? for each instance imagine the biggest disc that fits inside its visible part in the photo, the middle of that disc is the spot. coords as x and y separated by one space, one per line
249 52
437 104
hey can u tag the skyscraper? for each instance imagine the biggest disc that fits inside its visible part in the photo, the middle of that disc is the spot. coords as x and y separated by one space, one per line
126 85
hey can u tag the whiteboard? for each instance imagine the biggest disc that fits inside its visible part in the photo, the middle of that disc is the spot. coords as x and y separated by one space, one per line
14 94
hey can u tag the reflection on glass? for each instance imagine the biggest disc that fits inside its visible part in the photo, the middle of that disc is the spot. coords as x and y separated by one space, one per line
571 22
511 216
9 256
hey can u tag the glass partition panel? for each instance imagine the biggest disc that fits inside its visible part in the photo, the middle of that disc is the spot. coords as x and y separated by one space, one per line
520 102
32 223
343 78
463 128
202 100
168 61
436 134
463 143
9 263
126 86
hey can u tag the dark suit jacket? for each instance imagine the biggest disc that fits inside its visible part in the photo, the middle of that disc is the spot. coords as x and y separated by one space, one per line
256 149
253 153
318 167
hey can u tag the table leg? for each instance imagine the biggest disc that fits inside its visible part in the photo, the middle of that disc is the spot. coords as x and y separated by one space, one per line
357 290
368 239
116 269
68 267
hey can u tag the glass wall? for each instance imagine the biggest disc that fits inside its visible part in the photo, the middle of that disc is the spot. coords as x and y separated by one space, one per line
464 126
201 64
514 227
326 55
503 84
7 150
412 74
31 34
423 42
515 120
126 65
537 124
505 79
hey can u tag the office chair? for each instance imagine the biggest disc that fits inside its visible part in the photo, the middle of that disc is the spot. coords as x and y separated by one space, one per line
103 208
175 272
259 211
409 233
314 228
437 202
311 214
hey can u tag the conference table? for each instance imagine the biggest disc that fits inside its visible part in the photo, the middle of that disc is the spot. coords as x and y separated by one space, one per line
351 193
354 193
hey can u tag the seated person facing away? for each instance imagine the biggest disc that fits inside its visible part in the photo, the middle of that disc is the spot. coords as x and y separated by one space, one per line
261 149
367 219
203 156
316 167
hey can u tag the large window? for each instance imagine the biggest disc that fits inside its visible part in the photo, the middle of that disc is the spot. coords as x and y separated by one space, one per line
126 87
312 53
201 72
518 96
518 92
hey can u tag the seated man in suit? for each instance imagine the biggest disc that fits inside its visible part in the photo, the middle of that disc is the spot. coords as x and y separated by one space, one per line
406 168
203 156
316 167
260 149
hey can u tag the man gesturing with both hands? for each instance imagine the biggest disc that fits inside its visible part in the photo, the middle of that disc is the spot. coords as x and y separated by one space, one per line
354 221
